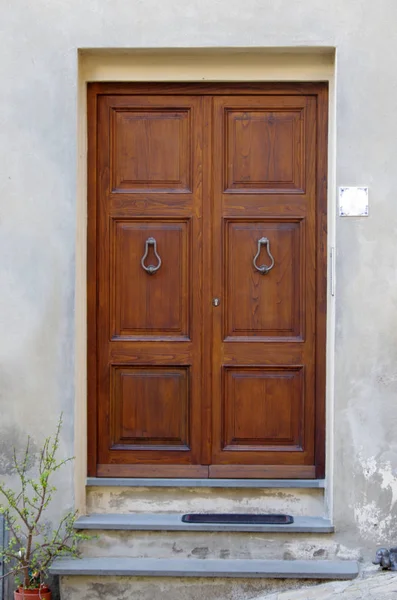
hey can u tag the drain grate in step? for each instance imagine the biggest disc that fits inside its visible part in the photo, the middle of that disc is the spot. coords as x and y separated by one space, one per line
242 519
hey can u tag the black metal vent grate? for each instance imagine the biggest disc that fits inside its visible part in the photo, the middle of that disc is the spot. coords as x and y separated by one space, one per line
238 519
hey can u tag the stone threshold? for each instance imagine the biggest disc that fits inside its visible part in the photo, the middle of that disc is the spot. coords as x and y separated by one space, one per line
173 522
205 483
238 568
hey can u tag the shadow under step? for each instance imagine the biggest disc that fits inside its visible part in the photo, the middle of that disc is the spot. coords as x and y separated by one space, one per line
155 567
173 522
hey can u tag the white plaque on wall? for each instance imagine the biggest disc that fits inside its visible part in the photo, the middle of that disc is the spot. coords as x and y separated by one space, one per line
353 202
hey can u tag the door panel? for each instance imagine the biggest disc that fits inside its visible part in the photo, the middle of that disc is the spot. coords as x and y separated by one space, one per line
264 146
264 393
263 409
150 408
149 313
151 150
257 306
194 191
155 306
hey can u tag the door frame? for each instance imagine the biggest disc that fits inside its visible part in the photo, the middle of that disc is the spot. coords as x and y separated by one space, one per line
193 65
320 91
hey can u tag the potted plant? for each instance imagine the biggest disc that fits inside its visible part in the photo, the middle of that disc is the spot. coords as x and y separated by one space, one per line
33 543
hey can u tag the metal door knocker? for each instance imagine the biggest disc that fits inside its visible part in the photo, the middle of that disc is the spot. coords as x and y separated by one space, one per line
263 269
151 268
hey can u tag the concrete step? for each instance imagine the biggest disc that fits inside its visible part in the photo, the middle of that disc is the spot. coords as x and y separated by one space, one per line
165 536
214 545
173 522
298 501
273 569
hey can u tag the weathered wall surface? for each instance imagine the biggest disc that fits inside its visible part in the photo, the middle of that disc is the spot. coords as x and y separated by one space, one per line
158 588
38 156
370 587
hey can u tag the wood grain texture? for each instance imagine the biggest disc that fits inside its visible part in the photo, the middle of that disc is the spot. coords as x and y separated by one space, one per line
146 469
262 409
146 307
176 384
206 328
151 150
92 280
321 272
149 355
264 147
249 294
249 167
249 471
150 408
210 89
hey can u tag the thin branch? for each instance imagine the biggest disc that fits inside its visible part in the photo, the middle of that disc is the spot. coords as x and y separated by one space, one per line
9 554
21 470
11 501
13 571
10 525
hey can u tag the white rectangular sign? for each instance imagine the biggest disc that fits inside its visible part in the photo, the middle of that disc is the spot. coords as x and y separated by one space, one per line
353 202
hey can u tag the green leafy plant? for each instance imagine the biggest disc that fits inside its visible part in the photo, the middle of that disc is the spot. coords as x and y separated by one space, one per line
32 543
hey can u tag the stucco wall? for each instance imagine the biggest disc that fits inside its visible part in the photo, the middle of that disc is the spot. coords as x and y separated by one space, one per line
39 44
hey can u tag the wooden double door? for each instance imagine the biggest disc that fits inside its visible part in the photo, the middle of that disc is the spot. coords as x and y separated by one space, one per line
207 280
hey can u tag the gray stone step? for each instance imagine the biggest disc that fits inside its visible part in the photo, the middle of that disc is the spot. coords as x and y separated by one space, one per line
222 568
173 522
206 483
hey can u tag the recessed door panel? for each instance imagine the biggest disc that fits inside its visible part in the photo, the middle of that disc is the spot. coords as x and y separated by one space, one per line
150 279
263 409
264 147
261 303
150 149
150 408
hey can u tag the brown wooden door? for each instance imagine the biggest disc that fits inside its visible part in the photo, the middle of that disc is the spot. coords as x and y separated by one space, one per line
207 367
149 324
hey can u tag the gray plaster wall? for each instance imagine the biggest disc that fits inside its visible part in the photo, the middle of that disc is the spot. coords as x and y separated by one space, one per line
39 44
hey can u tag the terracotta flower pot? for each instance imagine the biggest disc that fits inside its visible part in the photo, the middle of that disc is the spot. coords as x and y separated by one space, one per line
42 593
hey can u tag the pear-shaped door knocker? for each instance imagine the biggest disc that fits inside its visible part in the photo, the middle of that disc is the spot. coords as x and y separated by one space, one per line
151 268
263 269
